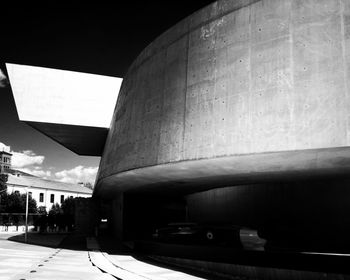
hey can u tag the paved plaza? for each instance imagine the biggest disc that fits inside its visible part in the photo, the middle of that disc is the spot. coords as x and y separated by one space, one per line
20 261
25 261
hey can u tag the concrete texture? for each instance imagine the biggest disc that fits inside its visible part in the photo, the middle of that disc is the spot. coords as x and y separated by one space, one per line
197 175
236 80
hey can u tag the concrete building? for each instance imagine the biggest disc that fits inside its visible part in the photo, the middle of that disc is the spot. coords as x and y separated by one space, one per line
5 161
239 114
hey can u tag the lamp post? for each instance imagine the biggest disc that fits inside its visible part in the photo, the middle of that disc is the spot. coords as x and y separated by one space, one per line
26 187
26 231
0 202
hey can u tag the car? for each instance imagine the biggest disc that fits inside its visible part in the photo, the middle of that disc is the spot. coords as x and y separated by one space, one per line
195 233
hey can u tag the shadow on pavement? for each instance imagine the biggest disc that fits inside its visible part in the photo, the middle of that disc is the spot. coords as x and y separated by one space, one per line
70 241
40 239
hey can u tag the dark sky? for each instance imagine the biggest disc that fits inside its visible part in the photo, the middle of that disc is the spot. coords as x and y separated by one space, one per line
100 40
95 39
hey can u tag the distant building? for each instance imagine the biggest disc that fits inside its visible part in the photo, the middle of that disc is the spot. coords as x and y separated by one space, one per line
45 192
5 161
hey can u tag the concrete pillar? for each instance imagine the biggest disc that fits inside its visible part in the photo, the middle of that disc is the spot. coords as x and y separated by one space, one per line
118 216
86 215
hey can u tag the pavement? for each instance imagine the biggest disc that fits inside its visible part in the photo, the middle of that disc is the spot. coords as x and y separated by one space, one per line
19 261
54 256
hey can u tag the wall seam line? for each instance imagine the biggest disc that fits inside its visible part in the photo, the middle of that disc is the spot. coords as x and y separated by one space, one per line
185 96
342 31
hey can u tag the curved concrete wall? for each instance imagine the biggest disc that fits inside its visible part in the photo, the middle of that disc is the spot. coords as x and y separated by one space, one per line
236 78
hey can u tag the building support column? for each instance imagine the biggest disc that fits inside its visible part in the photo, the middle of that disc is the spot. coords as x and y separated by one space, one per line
118 216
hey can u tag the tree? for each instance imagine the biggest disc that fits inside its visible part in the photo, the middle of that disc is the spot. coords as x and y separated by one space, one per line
41 220
3 180
68 208
42 210
89 185
55 210
32 206
16 203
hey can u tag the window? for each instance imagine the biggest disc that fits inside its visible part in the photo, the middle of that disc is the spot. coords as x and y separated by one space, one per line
16 192
41 197
62 198
52 198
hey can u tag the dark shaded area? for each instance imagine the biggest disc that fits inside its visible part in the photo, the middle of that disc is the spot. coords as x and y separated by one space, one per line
74 241
305 223
144 213
82 140
304 215
98 39
41 239
109 244
282 260
70 241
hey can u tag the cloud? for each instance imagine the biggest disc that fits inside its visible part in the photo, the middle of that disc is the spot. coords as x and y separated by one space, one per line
77 174
26 158
27 161
4 147
3 79
22 159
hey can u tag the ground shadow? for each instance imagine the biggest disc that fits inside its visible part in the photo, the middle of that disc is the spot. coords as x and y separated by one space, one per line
70 241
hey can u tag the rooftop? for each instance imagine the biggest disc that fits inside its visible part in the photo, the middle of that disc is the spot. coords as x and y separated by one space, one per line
40 183
5 153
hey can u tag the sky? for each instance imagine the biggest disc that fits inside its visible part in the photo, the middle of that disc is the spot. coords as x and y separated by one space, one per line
99 39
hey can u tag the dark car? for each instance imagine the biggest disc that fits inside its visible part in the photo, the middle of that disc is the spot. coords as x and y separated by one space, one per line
199 234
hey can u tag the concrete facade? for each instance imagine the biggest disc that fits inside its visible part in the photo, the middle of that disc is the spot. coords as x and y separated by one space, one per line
243 110
5 161
237 79
238 114
45 192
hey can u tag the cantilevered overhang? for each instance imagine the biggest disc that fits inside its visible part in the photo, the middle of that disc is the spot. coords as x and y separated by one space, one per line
74 109
192 176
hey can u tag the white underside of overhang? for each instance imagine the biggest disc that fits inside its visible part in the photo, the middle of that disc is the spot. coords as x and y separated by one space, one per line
51 100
